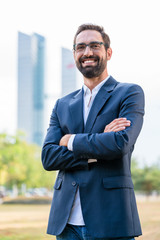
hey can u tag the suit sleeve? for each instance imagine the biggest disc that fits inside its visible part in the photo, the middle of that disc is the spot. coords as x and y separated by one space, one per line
55 157
112 145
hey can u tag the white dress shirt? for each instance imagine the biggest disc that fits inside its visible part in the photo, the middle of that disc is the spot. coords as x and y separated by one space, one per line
76 217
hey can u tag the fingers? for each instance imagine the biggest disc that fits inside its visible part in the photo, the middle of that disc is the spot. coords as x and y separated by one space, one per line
117 125
64 140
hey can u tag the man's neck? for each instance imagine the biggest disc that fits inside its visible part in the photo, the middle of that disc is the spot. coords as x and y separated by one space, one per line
93 82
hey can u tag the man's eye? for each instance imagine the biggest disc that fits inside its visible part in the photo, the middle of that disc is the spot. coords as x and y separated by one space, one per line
94 45
81 47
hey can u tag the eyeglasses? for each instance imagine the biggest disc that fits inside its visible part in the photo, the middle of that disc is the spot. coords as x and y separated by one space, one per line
94 46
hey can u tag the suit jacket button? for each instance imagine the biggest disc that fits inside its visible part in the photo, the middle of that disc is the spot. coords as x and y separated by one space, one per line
74 184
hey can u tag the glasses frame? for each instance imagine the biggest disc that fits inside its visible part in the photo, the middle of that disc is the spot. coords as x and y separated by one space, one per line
87 45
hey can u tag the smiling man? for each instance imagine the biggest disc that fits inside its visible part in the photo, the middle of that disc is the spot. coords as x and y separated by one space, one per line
90 141
91 59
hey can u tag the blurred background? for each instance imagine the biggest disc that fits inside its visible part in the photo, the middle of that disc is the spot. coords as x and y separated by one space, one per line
37 68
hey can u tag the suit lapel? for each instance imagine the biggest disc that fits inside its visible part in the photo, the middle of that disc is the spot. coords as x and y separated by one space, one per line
102 96
76 110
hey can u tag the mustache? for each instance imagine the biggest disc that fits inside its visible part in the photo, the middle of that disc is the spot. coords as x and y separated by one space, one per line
88 58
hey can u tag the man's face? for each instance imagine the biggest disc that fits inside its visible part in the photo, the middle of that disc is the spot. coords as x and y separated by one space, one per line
90 62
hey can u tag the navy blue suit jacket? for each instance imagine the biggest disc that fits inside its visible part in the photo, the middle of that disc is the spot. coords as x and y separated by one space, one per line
106 188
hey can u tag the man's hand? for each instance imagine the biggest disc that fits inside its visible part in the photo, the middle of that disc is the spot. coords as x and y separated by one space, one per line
64 140
117 125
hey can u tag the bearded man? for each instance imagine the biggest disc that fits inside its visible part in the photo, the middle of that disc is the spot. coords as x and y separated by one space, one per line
90 140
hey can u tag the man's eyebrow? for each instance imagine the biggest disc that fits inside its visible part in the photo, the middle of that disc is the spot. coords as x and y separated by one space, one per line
80 43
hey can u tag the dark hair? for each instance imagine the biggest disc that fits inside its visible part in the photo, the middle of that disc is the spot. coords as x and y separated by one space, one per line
97 28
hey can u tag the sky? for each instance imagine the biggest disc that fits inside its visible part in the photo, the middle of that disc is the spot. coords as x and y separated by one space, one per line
133 27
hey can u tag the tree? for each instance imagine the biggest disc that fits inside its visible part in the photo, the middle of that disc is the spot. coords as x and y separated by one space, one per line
146 179
20 163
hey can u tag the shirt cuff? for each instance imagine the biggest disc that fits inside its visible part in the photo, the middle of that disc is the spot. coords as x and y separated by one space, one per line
70 142
91 160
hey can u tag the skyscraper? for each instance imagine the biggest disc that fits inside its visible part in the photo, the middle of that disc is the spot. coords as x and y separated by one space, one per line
69 76
31 69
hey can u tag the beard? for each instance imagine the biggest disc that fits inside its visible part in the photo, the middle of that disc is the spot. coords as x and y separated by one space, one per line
92 71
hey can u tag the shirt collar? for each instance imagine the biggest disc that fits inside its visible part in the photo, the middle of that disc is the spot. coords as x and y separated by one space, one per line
96 89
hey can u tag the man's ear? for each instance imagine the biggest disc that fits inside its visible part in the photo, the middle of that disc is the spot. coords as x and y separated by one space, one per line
109 53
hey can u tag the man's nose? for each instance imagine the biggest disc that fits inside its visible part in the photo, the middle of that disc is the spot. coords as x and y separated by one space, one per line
88 51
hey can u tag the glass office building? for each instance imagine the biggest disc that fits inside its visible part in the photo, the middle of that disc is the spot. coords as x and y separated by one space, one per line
31 71
68 76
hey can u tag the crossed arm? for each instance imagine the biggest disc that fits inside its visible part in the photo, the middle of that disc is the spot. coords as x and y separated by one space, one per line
55 154
116 125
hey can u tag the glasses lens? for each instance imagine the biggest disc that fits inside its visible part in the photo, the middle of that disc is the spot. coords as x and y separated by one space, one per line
80 47
95 45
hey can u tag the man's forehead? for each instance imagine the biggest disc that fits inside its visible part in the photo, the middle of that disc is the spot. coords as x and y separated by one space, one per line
88 36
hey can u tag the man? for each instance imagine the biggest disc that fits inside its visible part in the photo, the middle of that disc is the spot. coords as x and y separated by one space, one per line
90 140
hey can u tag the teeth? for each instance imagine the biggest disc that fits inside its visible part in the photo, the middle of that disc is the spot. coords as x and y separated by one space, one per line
89 61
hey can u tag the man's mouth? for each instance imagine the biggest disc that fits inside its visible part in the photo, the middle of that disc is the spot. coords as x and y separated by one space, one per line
89 62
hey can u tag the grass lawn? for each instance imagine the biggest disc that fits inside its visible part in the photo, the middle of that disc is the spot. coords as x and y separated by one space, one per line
149 212
29 222
24 222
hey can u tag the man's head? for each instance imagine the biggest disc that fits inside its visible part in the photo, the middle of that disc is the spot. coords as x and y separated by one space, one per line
91 50
97 28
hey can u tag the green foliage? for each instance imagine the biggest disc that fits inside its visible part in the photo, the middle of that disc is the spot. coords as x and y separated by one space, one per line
146 179
20 163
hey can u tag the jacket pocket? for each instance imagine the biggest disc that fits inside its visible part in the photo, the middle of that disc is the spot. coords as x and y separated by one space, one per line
117 182
58 183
